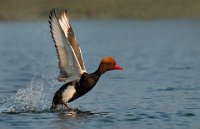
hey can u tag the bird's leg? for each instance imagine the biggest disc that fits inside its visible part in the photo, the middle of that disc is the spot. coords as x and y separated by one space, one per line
65 104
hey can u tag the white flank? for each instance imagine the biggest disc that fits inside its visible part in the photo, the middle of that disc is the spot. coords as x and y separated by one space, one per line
68 93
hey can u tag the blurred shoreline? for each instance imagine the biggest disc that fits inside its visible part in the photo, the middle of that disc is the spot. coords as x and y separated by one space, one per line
100 9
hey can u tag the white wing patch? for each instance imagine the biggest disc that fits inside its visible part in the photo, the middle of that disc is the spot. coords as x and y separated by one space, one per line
68 93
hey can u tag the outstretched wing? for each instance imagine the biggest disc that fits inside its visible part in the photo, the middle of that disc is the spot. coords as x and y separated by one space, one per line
67 28
69 61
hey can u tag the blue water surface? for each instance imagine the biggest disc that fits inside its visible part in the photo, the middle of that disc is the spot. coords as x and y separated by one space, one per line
159 88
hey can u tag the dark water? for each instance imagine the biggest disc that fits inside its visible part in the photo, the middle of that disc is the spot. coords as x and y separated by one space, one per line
159 88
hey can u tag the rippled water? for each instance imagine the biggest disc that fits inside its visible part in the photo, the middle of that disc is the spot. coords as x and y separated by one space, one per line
159 88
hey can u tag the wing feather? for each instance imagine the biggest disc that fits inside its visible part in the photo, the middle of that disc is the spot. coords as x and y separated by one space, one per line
67 61
67 28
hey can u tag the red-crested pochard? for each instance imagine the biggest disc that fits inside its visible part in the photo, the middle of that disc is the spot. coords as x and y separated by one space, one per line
72 69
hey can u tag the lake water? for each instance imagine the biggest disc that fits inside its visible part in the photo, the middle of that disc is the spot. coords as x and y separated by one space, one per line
159 88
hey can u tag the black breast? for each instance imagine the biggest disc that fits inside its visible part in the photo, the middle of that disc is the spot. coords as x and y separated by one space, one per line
82 86
86 83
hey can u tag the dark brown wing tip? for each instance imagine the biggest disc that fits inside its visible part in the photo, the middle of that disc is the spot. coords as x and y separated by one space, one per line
66 12
52 13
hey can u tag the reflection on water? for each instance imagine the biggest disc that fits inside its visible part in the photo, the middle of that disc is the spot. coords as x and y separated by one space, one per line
78 114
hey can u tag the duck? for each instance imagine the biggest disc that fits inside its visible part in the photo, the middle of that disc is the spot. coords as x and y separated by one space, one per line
77 82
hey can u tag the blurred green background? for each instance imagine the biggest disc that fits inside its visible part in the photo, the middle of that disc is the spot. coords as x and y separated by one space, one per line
102 9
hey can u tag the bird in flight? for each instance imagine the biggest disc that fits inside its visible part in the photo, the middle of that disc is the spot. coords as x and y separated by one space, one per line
77 81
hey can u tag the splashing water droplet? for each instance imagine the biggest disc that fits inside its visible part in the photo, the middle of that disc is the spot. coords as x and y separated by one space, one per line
36 97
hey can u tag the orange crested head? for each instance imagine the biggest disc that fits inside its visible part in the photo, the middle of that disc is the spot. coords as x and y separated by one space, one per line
108 63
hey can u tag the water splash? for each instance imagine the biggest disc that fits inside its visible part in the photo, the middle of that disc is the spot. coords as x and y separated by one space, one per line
35 97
